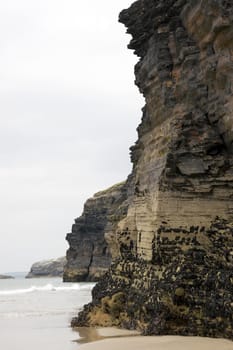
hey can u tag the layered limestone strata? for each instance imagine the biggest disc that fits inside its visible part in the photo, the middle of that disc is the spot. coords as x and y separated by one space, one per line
47 268
89 256
174 271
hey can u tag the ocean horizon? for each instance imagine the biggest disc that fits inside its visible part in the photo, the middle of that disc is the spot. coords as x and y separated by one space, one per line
15 274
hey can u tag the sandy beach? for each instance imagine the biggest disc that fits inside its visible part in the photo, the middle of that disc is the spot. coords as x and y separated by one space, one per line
160 343
110 339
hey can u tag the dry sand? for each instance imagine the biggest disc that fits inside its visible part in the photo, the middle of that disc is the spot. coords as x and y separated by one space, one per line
159 343
118 340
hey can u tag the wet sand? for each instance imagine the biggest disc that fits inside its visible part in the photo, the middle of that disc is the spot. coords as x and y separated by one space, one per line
91 334
112 339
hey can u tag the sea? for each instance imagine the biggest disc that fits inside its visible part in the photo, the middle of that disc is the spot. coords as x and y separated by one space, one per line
35 314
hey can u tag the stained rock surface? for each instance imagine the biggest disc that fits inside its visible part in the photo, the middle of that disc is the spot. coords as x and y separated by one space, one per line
89 256
174 270
47 268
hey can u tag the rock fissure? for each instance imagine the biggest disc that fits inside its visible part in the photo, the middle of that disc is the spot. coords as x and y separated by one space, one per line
91 260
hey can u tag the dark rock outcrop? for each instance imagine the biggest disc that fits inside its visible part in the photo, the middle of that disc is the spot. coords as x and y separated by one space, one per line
6 277
174 271
47 268
89 255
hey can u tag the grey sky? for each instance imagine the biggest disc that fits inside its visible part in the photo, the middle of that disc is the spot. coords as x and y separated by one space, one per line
69 111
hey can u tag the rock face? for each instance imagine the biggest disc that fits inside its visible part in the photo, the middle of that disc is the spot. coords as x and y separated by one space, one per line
5 277
47 268
89 255
174 271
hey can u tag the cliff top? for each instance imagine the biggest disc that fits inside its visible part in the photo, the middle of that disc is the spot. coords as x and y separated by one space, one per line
106 192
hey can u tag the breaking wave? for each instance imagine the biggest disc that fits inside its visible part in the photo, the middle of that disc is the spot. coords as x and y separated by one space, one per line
48 287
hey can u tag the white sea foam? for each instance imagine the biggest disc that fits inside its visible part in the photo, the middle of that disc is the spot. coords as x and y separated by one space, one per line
20 314
46 288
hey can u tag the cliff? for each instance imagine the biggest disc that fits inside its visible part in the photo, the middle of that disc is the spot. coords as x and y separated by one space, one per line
47 268
174 270
89 256
6 277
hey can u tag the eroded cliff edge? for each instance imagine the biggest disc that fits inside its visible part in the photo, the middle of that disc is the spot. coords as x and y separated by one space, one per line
89 255
47 268
174 270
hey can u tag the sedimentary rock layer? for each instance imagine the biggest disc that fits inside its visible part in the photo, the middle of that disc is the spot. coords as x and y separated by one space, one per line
174 271
89 255
47 268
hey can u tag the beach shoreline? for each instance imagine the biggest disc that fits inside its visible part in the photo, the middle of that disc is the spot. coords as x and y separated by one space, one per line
93 334
114 339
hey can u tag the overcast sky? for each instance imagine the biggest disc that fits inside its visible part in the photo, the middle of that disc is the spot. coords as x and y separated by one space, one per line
69 112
